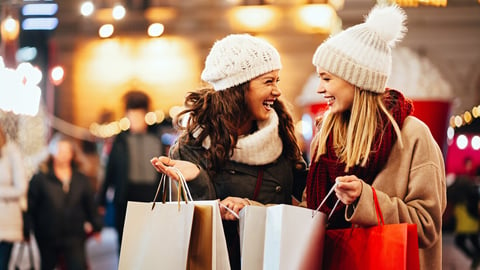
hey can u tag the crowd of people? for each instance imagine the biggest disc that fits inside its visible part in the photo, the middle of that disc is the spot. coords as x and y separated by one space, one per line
236 143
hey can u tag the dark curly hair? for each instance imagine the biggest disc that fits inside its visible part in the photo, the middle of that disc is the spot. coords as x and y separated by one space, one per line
219 114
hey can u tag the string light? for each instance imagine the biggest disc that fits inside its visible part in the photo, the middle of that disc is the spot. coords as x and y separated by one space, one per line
457 121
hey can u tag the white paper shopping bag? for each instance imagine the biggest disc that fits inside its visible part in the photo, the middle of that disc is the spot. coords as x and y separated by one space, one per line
252 236
219 245
294 238
156 238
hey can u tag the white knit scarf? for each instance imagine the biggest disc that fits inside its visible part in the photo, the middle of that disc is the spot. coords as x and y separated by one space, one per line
259 148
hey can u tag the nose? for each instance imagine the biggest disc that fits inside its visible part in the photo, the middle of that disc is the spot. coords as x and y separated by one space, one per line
276 92
321 88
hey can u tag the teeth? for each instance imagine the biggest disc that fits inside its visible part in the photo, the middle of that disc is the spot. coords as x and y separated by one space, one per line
268 103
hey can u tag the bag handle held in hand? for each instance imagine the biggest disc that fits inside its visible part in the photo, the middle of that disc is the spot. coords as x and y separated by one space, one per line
325 199
182 188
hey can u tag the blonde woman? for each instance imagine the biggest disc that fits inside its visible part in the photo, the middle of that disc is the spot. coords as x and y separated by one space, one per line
369 138
13 188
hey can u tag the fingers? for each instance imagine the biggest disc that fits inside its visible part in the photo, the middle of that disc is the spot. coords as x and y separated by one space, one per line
163 165
232 207
348 189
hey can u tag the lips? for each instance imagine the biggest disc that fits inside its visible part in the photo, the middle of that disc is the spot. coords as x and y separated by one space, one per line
268 104
330 100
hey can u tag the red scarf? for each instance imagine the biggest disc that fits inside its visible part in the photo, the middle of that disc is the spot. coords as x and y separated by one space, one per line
322 173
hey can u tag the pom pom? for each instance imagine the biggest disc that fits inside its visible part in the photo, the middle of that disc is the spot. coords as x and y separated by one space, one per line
389 22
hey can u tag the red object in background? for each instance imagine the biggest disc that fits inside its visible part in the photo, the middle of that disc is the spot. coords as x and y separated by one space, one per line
434 113
456 157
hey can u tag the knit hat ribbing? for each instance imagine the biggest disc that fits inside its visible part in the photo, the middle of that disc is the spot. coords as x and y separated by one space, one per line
238 58
362 54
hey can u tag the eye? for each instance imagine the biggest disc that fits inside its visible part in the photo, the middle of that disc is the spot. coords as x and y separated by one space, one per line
271 81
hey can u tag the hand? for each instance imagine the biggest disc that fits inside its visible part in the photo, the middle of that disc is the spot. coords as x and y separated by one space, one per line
97 236
348 189
233 203
164 165
101 210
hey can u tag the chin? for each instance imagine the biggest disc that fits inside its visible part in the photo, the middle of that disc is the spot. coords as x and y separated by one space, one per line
263 116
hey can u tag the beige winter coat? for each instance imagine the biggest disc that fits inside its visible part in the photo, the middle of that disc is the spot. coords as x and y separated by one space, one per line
13 188
410 189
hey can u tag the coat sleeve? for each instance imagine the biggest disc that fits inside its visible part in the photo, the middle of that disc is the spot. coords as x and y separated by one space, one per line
18 189
410 189
202 187
111 171
90 205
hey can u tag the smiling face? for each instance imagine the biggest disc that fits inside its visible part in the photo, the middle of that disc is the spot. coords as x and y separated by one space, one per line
262 93
338 92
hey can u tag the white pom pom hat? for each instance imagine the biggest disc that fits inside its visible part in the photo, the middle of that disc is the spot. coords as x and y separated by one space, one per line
362 54
238 58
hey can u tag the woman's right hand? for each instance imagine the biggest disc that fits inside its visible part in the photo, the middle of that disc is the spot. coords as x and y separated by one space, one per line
165 165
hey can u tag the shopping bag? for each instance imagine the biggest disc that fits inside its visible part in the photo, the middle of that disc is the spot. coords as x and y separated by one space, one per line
293 238
208 246
19 257
200 249
157 236
386 246
252 235
218 251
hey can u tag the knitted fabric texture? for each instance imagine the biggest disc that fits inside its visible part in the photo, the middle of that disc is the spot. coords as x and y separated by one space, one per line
262 147
362 54
238 58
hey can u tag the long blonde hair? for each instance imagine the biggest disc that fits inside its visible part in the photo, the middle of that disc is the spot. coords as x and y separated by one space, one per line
353 131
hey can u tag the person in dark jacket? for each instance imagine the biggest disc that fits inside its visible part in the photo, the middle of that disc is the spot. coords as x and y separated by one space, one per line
239 143
60 203
128 171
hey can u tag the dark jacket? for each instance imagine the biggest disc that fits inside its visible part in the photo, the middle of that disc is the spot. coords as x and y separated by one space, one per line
56 215
117 169
279 178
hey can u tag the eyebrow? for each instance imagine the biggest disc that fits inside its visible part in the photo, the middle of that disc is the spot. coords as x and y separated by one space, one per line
268 77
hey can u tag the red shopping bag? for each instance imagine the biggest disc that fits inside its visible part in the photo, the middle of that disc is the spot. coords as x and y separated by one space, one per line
386 246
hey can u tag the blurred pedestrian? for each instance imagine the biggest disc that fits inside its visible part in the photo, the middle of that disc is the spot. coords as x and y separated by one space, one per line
60 204
128 171
13 190
464 197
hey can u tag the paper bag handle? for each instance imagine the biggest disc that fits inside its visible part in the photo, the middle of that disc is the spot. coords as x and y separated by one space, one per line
377 208
325 199
182 188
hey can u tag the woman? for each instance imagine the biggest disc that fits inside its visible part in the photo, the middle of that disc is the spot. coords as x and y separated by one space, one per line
13 190
238 144
369 138
60 203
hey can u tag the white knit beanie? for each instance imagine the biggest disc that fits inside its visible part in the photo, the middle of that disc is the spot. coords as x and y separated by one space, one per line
238 58
362 54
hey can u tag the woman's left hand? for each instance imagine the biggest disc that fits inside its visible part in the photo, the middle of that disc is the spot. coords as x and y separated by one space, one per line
349 188
164 165
233 203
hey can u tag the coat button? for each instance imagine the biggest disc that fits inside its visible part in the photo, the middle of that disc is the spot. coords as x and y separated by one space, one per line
278 189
